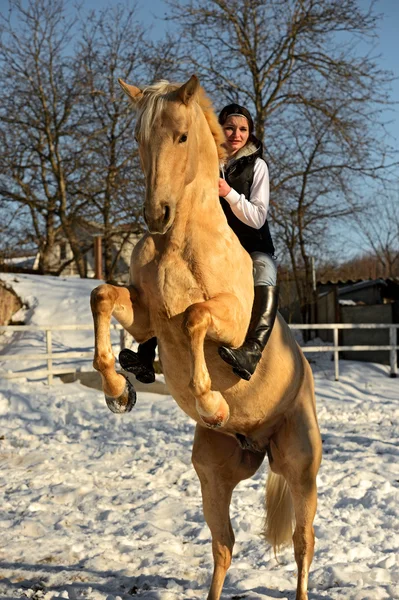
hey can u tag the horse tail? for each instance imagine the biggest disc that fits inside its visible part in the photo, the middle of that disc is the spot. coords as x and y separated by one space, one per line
279 512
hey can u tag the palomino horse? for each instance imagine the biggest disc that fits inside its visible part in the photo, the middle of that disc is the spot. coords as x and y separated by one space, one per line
192 288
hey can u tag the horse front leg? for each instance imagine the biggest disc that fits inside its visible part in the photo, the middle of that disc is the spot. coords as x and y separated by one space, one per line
221 319
122 303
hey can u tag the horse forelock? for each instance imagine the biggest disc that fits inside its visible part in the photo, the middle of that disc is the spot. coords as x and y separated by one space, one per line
155 98
152 103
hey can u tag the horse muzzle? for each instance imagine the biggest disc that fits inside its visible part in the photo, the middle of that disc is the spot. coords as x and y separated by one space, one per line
159 220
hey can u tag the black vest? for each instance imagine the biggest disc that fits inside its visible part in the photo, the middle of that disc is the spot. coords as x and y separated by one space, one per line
239 175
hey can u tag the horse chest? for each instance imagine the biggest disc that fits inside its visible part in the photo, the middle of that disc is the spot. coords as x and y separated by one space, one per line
176 286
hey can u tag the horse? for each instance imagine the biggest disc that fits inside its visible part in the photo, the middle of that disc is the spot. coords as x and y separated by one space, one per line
191 286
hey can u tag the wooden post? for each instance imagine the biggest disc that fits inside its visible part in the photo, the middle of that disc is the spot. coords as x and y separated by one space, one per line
49 359
393 354
98 257
314 307
336 354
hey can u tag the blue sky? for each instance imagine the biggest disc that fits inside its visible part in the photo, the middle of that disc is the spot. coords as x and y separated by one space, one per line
387 46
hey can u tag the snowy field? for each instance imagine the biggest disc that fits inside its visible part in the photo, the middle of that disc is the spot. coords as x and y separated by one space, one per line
107 507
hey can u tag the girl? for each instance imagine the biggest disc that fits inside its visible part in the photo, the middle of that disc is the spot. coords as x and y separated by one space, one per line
244 192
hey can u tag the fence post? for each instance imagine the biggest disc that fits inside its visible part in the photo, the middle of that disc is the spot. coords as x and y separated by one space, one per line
393 355
49 359
336 354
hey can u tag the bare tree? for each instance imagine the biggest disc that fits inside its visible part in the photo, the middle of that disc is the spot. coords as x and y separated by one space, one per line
38 121
16 241
110 47
114 44
312 189
378 228
315 95
68 157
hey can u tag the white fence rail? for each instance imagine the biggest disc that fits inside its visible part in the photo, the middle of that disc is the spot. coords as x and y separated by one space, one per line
336 348
50 356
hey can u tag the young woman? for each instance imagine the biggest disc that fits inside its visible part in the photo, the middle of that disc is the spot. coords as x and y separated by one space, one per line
244 192
244 196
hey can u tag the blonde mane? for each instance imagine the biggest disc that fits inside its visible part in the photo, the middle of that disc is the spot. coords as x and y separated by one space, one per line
154 100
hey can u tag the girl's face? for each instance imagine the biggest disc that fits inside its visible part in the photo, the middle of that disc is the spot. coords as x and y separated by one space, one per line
236 131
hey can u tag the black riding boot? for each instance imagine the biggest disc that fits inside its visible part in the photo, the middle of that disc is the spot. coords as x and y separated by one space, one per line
140 363
245 358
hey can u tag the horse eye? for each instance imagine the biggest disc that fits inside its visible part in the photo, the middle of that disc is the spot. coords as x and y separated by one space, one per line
183 138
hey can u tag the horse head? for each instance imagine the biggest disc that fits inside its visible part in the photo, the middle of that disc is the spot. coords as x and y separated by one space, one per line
167 135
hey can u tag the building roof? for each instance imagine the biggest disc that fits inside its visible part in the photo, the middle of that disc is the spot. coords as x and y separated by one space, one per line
389 287
361 285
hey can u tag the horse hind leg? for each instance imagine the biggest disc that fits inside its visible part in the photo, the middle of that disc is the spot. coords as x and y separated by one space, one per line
292 499
305 502
295 456
220 464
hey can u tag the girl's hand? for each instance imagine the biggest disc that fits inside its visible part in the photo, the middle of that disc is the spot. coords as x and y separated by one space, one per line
224 188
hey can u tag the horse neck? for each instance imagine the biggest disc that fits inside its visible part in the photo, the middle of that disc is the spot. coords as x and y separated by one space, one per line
200 205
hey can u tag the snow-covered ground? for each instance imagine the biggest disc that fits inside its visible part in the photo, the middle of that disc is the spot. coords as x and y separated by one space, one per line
107 507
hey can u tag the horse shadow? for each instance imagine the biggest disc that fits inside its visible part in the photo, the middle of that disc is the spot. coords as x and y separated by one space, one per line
265 592
117 583
36 583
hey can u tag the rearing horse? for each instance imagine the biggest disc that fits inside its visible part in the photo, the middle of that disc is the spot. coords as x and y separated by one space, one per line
191 286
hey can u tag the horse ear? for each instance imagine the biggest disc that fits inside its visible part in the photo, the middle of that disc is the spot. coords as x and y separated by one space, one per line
187 91
134 93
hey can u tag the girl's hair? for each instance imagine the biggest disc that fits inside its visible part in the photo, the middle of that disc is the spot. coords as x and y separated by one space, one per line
236 110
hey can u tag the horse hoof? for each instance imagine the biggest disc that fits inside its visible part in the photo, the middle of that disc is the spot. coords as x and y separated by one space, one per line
124 402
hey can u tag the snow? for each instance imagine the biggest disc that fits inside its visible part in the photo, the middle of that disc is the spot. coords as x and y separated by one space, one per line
100 506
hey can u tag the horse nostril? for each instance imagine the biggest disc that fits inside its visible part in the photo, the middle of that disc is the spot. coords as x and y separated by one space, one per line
157 219
166 213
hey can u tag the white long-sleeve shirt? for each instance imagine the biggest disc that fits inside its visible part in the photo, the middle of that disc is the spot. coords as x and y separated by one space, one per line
253 210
